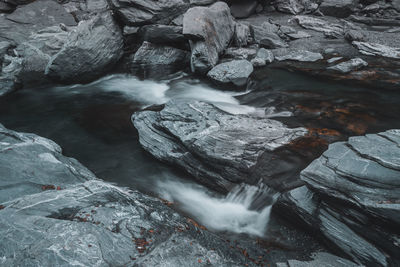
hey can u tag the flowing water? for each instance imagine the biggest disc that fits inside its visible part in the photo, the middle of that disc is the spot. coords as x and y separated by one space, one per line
92 123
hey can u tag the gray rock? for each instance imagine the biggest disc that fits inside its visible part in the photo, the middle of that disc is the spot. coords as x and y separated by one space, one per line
29 163
263 57
164 34
235 71
374 49
296 6
211 30
139 12
337 8
297 55
334 59
151 55
349 66
216 147
243 9
91 49
242 35
28 19
353 197
272 41
354 35
299 35
259 32
320 259
4 46
54 208
202 2
320 25
240 53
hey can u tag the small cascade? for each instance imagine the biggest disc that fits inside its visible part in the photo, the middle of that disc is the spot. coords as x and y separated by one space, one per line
246 209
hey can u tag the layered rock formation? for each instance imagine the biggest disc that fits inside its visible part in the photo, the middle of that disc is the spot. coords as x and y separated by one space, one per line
218 148
353 198
52 207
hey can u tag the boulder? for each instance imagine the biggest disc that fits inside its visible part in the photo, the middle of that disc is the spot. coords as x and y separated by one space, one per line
374 49
352 198
90 50
259 32
354 35
235 71
139 12
240 53
296 6
262 58
158 57
337 8
52 207
242 35
164 35
349 66
243 9
217 147
211 30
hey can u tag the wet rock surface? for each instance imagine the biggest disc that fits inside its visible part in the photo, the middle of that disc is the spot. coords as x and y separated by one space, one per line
236 72
216 147
352 197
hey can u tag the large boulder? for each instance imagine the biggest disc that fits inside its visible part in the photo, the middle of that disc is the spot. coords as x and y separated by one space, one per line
164 35
92 48
210 29
353 198
53 211
216 147
235 71
139 12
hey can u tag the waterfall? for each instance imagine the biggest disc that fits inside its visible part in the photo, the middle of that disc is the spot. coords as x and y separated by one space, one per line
246 209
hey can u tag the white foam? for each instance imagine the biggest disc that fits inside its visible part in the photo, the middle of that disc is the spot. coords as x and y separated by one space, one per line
232 213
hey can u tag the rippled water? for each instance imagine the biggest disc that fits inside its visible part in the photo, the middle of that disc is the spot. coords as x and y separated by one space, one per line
92 123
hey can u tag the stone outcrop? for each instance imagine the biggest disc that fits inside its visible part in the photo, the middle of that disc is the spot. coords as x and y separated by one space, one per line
216 147
353 197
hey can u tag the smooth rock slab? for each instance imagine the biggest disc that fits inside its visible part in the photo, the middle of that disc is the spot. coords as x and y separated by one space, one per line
216 147
235 71
297 55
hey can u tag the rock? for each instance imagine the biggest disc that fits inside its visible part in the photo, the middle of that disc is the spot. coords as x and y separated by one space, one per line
337 8
263 57
54 208
6 7
240 53
211 30
235 71
374 49
138 12
28 19
297 55
299 35
349 66
259 32
151 55
216 147
165 35
334 59
242 35
296 6
352 197
91 49
272 41
320 25
202 2
354 35
243 9
320 259
30 163
4 46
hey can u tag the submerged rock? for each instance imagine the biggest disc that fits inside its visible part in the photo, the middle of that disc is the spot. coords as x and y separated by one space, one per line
349 66
210 29
54 208
235 71
353 198
216 147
